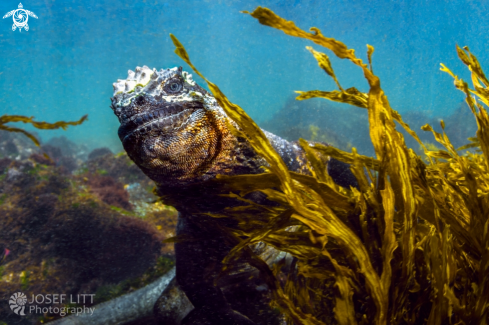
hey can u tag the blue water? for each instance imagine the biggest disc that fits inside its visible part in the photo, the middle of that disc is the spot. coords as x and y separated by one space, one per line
64 66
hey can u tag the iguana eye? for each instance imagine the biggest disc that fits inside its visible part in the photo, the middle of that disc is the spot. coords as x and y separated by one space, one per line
173 86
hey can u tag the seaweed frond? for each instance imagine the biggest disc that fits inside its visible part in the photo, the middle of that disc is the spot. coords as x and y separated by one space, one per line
409 246
4 119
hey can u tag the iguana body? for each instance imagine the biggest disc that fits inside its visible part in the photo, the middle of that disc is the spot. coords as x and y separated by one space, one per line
175 131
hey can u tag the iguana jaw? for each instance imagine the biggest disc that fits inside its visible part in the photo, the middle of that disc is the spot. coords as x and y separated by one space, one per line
157 119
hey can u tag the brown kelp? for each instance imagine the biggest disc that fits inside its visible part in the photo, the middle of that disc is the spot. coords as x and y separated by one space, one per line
4 119
410 246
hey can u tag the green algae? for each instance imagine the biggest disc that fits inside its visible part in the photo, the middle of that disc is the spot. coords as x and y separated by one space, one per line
410 246
124 212
25 280
110 291
41 218
101 172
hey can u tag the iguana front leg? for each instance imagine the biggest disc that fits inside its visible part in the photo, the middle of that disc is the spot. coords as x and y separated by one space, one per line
199 257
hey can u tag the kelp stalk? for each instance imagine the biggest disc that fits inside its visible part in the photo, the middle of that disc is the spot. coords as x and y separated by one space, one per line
4 119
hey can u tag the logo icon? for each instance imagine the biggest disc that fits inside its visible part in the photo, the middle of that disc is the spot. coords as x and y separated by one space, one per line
17 303
20 17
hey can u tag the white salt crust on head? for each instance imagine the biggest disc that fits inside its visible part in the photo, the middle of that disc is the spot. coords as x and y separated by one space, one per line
145 81
143 76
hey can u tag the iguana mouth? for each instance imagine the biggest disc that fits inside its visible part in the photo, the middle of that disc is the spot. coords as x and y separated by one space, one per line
166 118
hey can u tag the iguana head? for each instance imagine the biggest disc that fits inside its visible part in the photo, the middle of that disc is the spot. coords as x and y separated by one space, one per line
170 127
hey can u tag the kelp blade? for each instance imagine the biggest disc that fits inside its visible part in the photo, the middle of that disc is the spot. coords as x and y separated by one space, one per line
4 119
413 240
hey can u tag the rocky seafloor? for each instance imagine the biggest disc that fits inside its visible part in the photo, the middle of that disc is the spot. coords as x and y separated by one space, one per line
75 221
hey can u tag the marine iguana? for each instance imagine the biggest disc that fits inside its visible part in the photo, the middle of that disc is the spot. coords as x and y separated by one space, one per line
179 136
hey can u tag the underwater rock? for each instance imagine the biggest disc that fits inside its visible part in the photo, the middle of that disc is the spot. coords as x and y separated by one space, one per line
42 159
103 244
459 126
312 120
10 148
99 152
53 152
4 163
5 136
72 153
13 174
20 174
109 190
38 209
69 148
15 145
62 237
57 156
119 167
318 120
68 164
